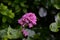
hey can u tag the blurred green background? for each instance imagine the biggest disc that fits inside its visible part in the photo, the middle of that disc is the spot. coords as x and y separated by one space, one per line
12 10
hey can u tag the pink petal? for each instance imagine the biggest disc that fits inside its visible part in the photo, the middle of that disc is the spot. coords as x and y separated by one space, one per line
30 25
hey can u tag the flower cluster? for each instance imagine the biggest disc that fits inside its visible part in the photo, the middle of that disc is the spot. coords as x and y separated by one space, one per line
28 32
28 19
25 33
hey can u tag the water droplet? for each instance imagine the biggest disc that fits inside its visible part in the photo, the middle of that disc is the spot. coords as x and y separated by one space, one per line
42 12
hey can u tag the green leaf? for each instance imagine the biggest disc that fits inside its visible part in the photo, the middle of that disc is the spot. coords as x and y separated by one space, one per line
10 33
9 3
3 33
4 19
13 33
5 38
58 22
24 10
5 7
22 4
11 15
57 6
58 19
4 13
54 27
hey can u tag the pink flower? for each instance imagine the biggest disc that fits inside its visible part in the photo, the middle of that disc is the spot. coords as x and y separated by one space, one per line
28 19
25 33
30 25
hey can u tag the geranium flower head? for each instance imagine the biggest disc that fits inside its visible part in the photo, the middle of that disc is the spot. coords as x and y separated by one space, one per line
25 33
28 32
28 19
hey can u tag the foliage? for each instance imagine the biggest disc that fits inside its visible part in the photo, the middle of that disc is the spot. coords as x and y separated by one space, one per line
54 26
10 33
45 10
